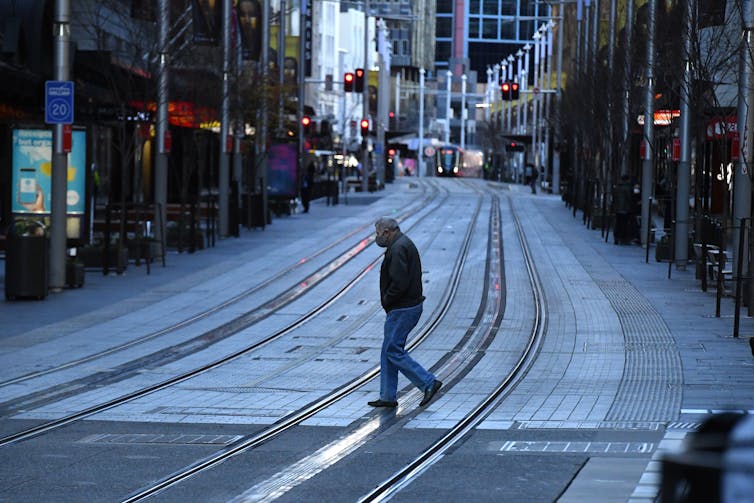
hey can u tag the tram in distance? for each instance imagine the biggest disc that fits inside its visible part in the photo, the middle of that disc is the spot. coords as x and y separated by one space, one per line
452 160
448 160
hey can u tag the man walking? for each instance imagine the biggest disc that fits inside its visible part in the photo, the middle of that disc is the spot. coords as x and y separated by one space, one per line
401 297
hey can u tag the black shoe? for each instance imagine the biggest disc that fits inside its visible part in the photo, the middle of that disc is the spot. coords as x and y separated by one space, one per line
430 392
383 403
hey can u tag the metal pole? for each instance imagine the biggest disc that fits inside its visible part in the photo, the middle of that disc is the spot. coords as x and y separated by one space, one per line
535 102
627 83
161 161
463 111
684 166
647 172
264 113
525 83
519 79
558 105
281 66
61 72
610 67
224 173
449 75
509 105
365 103
742 193
420 153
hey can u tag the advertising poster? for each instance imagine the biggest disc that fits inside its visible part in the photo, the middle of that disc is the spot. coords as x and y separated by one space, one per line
282 170
31 167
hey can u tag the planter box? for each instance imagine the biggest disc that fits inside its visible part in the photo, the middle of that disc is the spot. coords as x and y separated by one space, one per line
26 267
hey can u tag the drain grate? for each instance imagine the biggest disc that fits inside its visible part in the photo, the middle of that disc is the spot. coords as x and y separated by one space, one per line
157 438
579 447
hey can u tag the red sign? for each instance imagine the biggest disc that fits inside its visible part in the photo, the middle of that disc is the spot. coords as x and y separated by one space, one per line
167 141
676 149
67 137
719 127
643 150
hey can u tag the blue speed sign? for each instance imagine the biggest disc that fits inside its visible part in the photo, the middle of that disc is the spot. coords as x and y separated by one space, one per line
59 102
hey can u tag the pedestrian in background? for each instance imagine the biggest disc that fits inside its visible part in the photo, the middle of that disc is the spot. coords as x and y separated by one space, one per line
622 205
402 299
307 184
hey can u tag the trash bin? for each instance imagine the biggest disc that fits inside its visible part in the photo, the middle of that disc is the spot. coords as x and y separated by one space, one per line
26 266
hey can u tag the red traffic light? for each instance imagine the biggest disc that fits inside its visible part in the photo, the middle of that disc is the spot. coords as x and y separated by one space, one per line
364 127
358 85
514 90
306 122
505 89
391 152
348 82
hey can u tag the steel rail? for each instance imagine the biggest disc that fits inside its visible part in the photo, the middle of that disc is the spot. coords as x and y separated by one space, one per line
210 311
386 489
295 418
101 407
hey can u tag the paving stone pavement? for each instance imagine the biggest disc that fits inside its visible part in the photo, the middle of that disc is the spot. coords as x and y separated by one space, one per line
649 350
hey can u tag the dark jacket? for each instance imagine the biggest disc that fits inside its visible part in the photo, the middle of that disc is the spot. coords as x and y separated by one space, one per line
401 275
622 194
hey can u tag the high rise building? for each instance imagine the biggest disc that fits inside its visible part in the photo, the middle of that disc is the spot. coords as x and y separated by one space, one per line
484 32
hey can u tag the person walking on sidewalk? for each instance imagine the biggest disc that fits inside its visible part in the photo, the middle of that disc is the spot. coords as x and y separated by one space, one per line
402 299
622 208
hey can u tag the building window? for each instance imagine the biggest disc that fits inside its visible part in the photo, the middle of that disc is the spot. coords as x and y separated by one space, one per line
445 6
489 28
508 29
490 7
473 27
442 51
444 27
509 8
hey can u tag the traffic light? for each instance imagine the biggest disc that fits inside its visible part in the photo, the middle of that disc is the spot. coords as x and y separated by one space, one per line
359 81
306 121
364 128
514 90
348 82
505 89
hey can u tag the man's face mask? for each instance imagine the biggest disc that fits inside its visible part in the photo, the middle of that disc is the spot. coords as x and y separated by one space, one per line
382 238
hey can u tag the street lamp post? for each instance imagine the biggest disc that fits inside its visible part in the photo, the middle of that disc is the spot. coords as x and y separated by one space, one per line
525 86
420 153
519 73
463 111
448 110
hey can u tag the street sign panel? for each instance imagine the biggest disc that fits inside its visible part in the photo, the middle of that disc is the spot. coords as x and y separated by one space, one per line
59 102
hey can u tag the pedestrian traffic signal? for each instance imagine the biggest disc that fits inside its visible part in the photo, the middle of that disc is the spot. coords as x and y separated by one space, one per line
306 122
364 127
359 81
505 89
514 90
348 82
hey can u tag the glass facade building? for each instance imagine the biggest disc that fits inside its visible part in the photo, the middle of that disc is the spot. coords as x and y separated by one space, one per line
492 29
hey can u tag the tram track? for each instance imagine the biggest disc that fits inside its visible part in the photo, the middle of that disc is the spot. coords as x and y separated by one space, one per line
401 478
296 418
228 302
100 407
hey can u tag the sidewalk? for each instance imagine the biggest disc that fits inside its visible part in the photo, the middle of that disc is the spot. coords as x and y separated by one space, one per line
135 288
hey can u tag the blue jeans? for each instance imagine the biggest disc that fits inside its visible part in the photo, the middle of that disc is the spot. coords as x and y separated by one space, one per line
398 324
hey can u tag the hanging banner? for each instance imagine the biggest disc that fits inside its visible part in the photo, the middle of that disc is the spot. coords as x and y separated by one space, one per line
250 21
207 19
31 166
